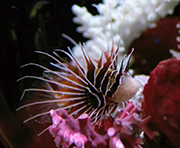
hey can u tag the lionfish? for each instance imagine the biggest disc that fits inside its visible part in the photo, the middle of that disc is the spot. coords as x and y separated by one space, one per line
96 89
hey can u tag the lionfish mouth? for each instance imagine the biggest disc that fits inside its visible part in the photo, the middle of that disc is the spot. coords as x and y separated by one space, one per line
96 89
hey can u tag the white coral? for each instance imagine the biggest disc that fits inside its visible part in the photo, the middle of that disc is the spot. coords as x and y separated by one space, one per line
139 15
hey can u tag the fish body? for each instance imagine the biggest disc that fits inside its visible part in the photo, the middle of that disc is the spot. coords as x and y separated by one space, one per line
96 89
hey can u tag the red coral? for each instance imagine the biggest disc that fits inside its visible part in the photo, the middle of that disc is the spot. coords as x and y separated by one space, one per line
162 99
154 43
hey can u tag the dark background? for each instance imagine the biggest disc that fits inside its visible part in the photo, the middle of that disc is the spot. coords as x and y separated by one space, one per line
18 33
17 40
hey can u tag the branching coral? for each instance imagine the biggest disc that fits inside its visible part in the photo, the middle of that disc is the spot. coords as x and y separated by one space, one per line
128 127
139 15
79 132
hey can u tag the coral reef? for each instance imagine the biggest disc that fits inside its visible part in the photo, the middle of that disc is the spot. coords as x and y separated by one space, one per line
100 28
162 101
127 128
78 132
124 131
21 35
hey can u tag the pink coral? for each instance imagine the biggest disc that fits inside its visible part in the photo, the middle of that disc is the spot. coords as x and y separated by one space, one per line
123 132
127 126
78 132
162 101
